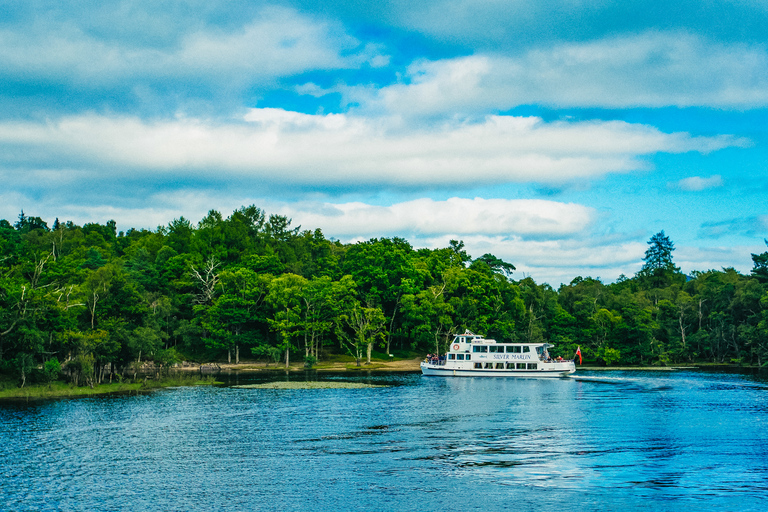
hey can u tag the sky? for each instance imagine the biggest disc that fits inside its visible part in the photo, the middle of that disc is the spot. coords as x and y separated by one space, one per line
558 135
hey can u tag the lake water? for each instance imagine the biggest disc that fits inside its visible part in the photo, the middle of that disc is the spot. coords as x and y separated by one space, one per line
598 441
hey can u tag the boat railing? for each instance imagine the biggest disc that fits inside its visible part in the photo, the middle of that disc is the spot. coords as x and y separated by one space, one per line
554 360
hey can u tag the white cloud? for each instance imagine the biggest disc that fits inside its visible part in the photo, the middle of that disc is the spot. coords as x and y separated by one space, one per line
690 258
550 241
697 183
278 42
455 217
281 42
279 146
560 260
653 69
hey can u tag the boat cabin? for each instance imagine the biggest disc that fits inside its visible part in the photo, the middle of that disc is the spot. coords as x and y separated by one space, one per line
471 354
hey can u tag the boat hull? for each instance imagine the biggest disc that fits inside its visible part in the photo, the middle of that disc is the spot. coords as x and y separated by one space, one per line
431 370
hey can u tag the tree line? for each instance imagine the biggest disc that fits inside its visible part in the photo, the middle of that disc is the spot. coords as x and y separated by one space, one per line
251 285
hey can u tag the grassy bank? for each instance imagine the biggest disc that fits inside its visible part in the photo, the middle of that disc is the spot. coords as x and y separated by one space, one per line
58 389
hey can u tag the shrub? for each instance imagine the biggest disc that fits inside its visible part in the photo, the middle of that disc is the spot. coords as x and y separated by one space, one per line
51 370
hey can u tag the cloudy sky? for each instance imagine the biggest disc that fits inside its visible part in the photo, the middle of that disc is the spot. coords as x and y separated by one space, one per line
558 135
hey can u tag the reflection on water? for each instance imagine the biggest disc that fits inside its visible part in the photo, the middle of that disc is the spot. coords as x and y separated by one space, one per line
629 440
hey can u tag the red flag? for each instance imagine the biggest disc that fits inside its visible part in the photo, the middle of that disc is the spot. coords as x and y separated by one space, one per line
578 353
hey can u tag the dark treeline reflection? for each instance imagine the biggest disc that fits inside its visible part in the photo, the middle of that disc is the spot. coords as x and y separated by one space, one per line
250 285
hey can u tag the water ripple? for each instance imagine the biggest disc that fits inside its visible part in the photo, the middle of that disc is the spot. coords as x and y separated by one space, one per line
628 440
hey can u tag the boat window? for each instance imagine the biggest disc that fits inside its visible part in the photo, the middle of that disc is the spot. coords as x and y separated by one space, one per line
531 366
510 366
451 356
469 356
489 366
515 349
526 348
499 366
521 366
460 357
479 348
493 349
478 365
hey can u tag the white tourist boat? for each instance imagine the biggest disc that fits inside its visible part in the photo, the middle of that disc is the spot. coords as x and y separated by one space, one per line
472 355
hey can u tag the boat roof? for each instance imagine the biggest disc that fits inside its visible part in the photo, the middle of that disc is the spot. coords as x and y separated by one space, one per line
478 339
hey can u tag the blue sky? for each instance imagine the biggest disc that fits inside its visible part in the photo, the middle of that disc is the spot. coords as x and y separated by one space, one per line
557 135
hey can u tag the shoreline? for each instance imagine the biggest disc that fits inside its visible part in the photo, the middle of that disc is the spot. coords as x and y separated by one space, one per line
59 389
404 365
412 365
193 374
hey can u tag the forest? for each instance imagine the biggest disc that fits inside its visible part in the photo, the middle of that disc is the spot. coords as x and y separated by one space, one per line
90 299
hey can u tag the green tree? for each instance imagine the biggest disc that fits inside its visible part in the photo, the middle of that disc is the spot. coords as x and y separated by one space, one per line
659 270
81 347
496 264
232 318
324 301
24 364
145 341
428 317
51 370
369 328
384 270
286 298
97 286
94 259
760 269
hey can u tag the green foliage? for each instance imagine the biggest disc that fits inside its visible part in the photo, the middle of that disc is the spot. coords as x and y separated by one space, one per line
760 270
367 326
609 355
252 283
94 259
659 254
24 364
146 341
81 369
495 264
165 358
51 370
272 353
659 271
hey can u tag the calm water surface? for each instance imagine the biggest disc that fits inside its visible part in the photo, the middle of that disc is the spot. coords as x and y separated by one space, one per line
599 441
